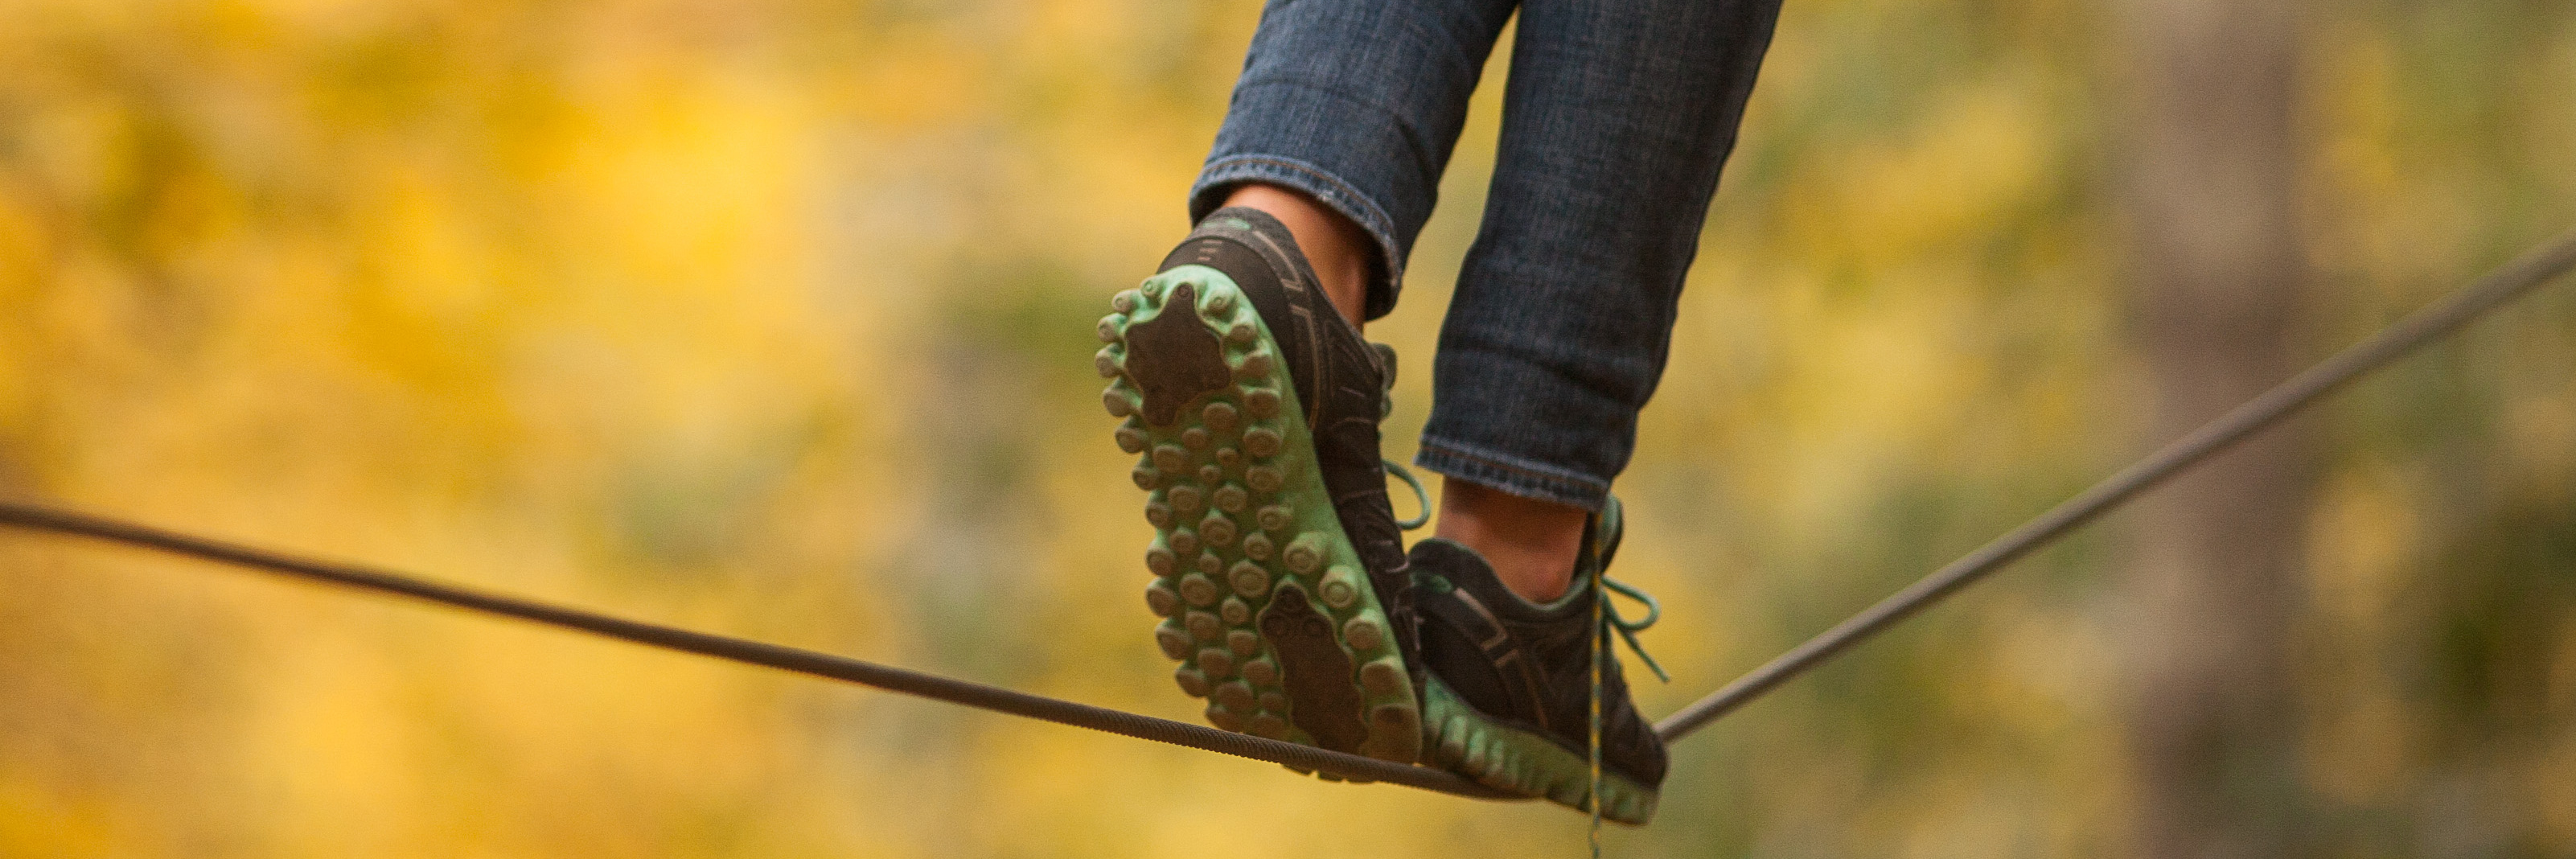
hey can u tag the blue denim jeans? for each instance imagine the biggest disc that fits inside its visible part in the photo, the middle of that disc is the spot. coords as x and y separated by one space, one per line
1616 118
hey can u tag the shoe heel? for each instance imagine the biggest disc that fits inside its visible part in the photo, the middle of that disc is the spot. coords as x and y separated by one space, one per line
1260 591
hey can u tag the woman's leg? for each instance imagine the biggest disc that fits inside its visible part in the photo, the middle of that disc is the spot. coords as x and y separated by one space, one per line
1355 106
1616 120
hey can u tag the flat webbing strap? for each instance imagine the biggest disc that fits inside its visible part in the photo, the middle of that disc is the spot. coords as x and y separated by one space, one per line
40 518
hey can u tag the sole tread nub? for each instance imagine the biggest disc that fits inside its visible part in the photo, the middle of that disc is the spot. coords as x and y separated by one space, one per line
1508 758
1295 647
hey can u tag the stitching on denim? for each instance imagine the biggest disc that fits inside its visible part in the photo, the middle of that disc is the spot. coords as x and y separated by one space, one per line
1572 486
1505 466
1415 146
1244 166
1387 290
1380 225
1482 475
1374 220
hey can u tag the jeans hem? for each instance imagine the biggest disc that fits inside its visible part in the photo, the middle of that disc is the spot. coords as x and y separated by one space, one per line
1222 175
1513 475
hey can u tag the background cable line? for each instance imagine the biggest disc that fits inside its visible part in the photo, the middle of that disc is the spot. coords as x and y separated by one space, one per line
2514 280
41 518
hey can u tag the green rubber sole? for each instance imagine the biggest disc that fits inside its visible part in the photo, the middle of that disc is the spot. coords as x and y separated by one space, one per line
1510 759
1264 602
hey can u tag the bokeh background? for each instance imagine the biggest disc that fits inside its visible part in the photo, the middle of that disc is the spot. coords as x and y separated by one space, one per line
773 317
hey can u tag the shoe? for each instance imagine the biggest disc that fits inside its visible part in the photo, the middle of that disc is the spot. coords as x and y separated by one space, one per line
1279 567
1510 694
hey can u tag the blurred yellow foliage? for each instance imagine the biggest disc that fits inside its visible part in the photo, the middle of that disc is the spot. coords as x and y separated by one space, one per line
771 317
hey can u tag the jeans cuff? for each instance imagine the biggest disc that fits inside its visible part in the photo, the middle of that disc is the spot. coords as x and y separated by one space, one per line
1221 176
1512 474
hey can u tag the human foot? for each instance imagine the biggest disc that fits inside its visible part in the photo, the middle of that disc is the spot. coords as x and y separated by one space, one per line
1509 700
1279 568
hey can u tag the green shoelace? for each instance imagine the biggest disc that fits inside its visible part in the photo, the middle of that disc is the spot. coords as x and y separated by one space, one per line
1422 499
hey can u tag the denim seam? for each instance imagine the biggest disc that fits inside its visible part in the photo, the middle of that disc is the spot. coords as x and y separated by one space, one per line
1326 187
1511 475
1413 142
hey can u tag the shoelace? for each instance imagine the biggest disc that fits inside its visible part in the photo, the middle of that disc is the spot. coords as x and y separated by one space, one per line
1628 629
1421 498
1602 616
1606 618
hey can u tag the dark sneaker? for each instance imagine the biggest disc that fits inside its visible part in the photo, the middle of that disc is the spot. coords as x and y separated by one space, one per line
1278 565
1509 699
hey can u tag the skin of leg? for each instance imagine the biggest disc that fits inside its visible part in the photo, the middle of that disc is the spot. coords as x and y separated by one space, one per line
1338 249
1531 543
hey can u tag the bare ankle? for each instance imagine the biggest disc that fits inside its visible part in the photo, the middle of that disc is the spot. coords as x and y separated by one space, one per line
1338 249
1532 544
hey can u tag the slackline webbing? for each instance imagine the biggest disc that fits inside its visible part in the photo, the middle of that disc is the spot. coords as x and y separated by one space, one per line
2505 284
